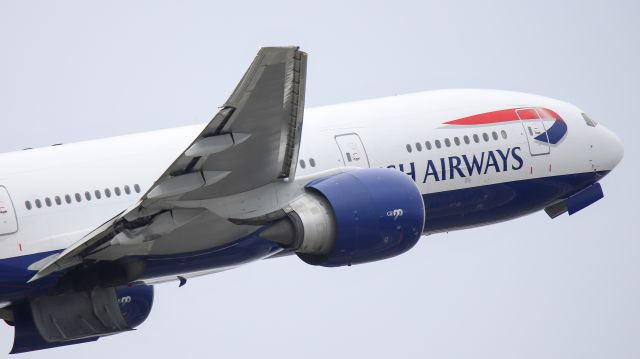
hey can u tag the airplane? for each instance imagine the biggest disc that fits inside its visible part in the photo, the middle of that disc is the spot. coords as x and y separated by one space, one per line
87 229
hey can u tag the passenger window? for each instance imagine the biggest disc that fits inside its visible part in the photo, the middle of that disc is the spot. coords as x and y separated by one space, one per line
438 144
67 198
457 141
302 164
485 137
58 200
494 135
117 191
127 190
447 142
504 134
466 139
38 203
418 146
136 187
28 205
97 194
312 162
476 139
428 145
408 148
78 197
48 201
107 192
87 195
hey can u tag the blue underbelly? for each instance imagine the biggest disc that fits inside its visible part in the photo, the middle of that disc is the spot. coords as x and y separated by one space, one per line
471 207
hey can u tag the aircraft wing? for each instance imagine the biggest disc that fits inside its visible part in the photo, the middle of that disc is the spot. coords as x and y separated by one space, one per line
251 142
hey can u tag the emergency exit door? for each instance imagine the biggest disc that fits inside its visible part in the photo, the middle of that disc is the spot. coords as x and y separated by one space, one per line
352 150
8 221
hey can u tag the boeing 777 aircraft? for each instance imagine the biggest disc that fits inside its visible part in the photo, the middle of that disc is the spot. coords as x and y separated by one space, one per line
87 229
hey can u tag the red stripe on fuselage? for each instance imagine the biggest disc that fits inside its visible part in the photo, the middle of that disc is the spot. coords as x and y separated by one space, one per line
506 116
546 113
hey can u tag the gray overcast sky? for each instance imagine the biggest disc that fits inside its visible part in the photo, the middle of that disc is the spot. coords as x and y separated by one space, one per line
529 288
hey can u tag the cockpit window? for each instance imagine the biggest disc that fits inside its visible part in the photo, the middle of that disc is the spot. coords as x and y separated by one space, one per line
589 121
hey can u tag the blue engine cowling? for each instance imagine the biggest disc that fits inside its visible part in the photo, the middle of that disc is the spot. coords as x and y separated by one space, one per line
71 318
378 214
135 303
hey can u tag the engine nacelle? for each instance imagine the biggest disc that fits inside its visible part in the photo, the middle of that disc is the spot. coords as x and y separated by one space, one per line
77 317
354 217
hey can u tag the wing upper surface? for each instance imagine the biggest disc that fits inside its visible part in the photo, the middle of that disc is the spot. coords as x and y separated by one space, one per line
252 141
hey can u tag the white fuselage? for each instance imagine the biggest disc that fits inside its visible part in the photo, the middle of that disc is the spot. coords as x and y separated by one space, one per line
388 132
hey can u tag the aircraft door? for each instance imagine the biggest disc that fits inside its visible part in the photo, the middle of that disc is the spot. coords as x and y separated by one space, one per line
8 221
534 128
352 150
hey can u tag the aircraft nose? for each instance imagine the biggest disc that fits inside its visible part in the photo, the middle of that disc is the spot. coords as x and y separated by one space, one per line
613 147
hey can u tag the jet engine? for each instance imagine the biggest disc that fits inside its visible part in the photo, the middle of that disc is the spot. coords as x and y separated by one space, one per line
354 217
78 317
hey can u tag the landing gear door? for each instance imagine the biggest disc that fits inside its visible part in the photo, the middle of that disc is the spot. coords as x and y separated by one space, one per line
352 150
8 221
535 131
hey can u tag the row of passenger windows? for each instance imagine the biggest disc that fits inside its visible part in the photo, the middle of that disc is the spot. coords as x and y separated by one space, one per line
312 163
456 140
88 196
